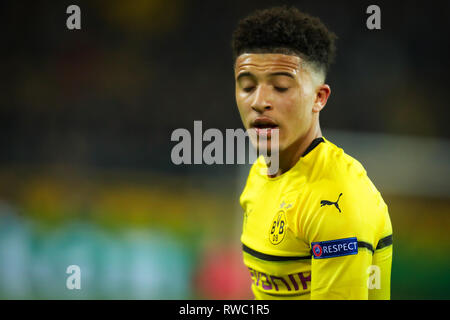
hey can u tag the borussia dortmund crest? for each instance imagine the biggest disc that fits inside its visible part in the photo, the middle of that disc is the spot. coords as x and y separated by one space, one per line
278 228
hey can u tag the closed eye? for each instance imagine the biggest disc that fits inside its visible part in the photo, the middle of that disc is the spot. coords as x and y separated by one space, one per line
281 89
248 89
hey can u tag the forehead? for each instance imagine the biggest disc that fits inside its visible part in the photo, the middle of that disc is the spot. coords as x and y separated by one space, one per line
267 62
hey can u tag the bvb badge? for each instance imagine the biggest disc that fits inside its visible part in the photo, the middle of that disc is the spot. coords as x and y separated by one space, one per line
278 228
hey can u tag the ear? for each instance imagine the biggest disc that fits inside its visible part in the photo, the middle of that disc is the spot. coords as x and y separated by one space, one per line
322 93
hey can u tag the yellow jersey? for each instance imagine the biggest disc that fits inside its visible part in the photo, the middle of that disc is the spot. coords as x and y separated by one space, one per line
321 230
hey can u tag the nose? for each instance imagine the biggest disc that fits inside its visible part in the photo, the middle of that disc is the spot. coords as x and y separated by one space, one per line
261 101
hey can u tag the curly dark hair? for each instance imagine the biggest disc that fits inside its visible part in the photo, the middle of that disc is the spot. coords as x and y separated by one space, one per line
288 31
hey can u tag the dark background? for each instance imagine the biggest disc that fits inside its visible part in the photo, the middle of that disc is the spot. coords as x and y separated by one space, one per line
110 94
86 117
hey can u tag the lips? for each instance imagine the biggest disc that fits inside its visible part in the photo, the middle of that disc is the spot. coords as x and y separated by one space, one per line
264 126
264 123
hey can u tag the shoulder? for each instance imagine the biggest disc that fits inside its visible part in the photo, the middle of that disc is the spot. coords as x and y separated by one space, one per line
338 172
341 198
340 166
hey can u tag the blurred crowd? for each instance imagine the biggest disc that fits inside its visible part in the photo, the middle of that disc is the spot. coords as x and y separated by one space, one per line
110 94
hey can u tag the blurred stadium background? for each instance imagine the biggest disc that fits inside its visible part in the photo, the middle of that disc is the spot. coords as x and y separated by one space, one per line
86 118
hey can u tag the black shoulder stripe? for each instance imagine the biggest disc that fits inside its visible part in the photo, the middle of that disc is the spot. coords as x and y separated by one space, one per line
362 244
384 242
269 257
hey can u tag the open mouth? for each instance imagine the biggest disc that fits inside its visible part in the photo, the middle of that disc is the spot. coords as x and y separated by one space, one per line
264 123
264 126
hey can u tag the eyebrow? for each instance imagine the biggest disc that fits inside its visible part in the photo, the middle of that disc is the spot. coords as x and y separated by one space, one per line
287 74
244 74
248 74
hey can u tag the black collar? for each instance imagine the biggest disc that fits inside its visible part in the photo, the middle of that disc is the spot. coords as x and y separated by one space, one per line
313 144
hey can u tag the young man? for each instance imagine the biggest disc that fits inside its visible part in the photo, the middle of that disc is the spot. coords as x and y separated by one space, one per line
317 228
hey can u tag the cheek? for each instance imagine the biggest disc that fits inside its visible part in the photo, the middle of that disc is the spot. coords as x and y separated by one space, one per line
302 106
242 108
292 108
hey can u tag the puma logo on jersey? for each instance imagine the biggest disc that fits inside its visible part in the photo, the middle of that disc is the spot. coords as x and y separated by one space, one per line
329 203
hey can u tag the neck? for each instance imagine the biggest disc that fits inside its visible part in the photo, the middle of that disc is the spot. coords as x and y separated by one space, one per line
290 156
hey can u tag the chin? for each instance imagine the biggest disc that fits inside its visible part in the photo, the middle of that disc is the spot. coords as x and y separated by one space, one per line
268 149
